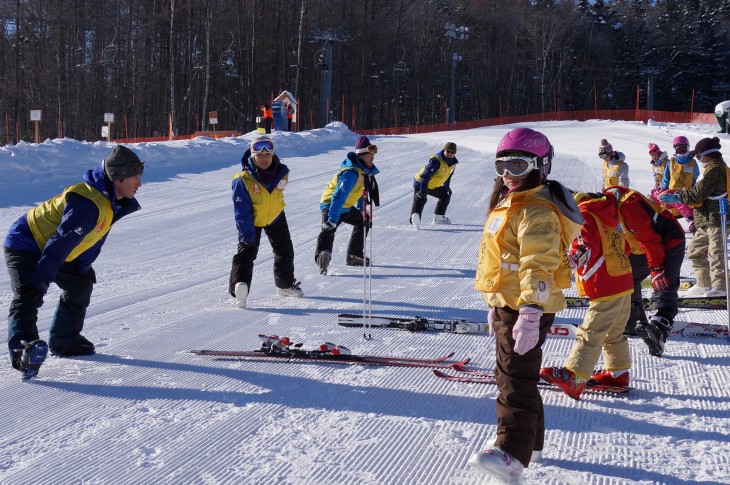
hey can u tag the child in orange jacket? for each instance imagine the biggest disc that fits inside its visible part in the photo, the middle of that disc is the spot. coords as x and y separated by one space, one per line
599 256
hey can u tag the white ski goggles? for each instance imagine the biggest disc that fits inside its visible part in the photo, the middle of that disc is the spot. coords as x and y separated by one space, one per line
516 165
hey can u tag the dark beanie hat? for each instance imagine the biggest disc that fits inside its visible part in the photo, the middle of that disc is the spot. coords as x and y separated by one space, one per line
706 146
122 163
362 144
450 146
605 147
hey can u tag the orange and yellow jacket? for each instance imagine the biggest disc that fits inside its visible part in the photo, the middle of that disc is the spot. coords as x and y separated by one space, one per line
607 273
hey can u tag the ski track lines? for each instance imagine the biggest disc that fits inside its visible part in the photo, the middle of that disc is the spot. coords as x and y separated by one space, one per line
172 417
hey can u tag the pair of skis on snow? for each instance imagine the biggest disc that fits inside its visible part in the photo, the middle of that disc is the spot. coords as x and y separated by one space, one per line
281 348
558 330
695 302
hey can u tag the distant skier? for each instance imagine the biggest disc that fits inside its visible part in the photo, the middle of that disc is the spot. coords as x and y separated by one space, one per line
603 273
615 168
434 179
267 117
258 204
722 113
342 201
521 271
680 172
57 242
658 162
707 247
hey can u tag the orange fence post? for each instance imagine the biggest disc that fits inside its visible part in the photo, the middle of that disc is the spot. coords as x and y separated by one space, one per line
692 106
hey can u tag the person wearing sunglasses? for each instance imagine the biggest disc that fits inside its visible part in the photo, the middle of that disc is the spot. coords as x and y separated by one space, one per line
680 172
434 179
706 249
521 271
615 168
258 205
57 242
342 201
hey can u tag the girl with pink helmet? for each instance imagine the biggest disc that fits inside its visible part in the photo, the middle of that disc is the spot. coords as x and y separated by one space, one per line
521 271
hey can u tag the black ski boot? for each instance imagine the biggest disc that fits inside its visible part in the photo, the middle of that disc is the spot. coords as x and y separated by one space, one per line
655 333
28 360
323 261
353 260
636 317
80 347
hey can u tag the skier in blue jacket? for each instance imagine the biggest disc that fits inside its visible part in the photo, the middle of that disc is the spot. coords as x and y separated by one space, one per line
342 201
258 205
57 242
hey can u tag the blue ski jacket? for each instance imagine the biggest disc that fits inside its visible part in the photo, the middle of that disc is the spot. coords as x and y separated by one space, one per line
79 217
347 178
243 207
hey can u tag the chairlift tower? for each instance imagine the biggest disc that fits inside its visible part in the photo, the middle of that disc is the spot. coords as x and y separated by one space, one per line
323 61
454 33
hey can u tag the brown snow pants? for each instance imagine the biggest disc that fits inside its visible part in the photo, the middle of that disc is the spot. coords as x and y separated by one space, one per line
520 417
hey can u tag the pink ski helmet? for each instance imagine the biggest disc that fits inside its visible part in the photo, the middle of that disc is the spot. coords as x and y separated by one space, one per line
680 140
528 141
653 147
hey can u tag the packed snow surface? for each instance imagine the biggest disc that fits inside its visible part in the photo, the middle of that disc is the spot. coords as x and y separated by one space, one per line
144 410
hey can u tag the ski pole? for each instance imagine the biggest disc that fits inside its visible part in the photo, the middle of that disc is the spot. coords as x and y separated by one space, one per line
365 315
370 271
723 225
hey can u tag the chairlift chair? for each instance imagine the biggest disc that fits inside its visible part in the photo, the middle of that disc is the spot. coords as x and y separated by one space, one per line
80 57
226 60
320 59
195 55
109 54
374 69
399 69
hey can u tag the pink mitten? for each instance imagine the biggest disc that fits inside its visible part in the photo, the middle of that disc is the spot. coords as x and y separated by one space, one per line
526 331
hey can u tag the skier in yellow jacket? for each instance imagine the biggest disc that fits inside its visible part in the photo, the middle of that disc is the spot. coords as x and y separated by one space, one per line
435 180
521 272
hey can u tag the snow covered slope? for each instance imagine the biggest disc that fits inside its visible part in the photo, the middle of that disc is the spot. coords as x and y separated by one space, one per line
145 410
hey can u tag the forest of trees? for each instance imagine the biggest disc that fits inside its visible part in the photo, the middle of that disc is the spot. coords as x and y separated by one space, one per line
392 60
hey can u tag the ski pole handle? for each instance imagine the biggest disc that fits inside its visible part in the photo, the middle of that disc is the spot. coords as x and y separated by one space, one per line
723 206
